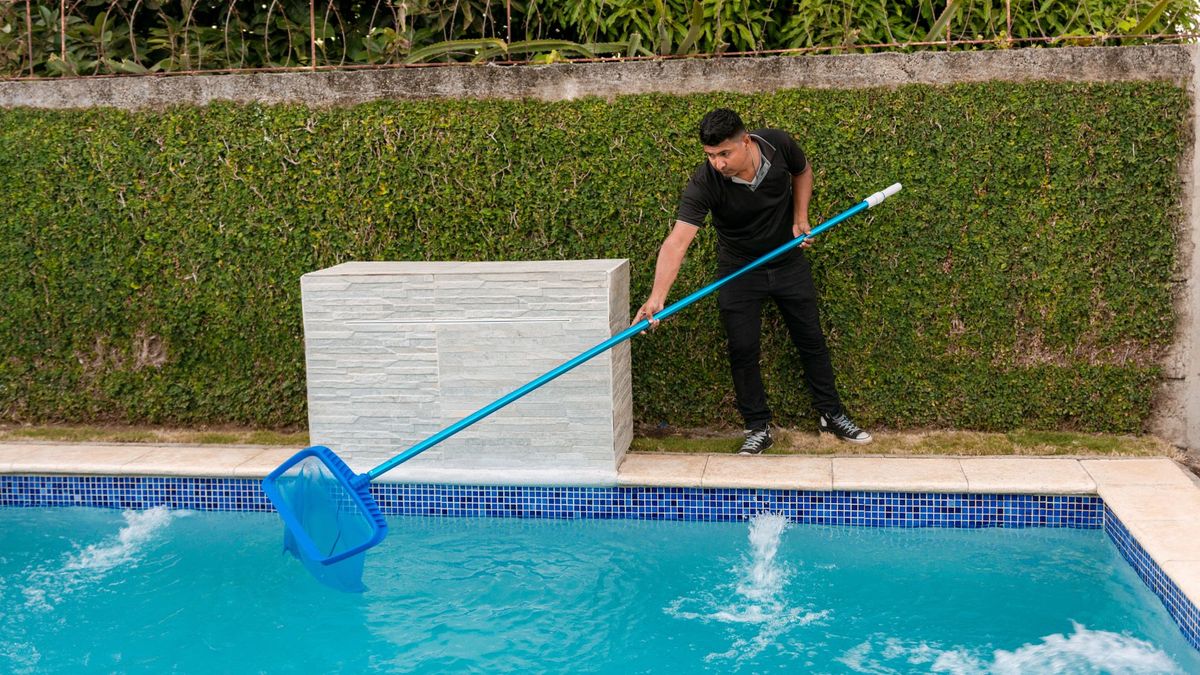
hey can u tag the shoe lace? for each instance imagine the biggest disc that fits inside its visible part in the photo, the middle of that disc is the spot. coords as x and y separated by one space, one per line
844 424
755 438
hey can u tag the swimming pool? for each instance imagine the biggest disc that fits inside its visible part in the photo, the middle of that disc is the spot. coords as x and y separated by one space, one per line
158 589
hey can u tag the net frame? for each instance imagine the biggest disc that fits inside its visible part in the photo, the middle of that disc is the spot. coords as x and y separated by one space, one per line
355 487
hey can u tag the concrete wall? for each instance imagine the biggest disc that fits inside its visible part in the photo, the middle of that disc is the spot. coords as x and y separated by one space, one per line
567 81
1177 415
396 352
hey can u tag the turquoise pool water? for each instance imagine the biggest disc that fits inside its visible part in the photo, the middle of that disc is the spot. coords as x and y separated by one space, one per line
170 591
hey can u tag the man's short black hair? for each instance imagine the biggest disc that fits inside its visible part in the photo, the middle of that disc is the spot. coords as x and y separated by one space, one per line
719 126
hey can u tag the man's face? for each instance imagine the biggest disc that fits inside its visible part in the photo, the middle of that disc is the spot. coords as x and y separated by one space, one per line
731 156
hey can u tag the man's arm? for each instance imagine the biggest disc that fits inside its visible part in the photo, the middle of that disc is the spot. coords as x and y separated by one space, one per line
802 184
670 258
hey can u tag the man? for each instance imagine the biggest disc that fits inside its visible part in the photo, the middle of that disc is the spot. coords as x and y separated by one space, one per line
757 187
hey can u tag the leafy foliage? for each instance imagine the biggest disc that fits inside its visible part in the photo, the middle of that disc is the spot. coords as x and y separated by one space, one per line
44 37
1021 279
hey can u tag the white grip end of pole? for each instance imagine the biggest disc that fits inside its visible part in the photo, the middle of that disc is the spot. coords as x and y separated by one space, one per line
877 198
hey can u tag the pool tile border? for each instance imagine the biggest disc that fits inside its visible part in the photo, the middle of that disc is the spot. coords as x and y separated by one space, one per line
819 507
1181 609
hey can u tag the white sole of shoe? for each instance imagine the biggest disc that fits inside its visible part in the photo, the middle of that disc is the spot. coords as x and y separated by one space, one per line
848 440
856 441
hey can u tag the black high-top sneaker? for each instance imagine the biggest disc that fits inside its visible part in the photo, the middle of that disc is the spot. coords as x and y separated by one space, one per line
839 425
756 441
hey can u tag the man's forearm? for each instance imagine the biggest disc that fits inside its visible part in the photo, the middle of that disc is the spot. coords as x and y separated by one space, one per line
670 259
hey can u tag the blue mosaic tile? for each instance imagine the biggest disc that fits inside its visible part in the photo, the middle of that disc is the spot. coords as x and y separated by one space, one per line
1182 610
872 509
134 492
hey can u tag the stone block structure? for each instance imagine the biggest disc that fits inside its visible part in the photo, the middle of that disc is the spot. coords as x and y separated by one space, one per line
397 351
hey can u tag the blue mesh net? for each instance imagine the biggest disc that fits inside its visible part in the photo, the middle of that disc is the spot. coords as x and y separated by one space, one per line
324 508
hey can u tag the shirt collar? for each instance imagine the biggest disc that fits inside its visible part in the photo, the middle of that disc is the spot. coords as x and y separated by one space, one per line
763 167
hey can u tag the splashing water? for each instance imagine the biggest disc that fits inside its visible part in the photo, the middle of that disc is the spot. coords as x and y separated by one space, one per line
764 577
1083 652
140 527
755 602
93 562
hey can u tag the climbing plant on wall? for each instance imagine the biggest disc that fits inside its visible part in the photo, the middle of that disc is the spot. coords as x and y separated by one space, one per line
1023 277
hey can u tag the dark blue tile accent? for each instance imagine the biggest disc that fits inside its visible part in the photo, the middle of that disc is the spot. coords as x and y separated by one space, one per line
875 509
134 492
1182 610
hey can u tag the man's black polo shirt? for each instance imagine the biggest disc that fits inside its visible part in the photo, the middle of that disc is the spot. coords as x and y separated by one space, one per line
749 222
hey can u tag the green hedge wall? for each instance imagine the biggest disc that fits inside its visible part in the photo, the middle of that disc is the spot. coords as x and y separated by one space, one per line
1021 279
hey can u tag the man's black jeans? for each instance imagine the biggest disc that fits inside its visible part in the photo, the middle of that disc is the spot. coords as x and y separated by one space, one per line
790 285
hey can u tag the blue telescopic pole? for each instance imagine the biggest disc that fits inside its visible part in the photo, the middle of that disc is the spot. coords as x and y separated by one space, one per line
624 335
